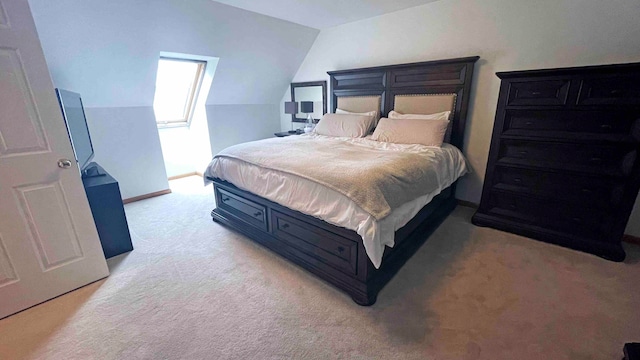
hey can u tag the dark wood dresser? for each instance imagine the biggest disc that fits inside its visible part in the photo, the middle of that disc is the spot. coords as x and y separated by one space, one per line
563 164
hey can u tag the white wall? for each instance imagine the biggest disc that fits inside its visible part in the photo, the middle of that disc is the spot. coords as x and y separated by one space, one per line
233 124
137 172
108 52
506 34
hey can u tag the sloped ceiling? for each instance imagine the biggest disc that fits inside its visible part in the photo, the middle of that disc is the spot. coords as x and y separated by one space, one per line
322 14
108 50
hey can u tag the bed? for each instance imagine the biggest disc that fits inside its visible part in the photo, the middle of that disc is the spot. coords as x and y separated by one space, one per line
340 251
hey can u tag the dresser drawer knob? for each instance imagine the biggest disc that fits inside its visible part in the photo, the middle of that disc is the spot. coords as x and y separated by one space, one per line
605 127
257 214
340 249
285 226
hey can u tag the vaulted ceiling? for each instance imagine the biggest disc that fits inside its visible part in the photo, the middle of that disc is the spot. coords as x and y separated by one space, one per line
108 50
321 14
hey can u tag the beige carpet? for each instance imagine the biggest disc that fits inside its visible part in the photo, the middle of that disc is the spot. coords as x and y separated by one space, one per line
192 289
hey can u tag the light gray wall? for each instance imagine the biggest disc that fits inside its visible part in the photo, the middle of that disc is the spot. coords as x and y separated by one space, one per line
137 172
233 124
506 34
108 52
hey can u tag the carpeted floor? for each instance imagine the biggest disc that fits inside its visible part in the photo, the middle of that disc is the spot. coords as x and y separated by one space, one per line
193 289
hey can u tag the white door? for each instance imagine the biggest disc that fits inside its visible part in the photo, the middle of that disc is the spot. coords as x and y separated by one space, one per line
48 240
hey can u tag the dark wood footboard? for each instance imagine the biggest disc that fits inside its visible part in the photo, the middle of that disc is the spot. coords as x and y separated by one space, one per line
334 254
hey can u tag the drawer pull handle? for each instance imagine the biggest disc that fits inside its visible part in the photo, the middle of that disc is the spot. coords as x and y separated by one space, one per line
577 219
586 191
517 180
225 199
285 226
615 91
513 206
595 159
528 123
522 152
340 249
535 93
605 126
257 214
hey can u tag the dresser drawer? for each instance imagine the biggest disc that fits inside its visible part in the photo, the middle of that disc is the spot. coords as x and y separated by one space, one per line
593 159
575 189
541 92
323 245
559 124
557 215
247 210
617 90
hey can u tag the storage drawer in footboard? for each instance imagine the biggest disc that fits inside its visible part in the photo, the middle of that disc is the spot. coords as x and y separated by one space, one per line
325 246
242 208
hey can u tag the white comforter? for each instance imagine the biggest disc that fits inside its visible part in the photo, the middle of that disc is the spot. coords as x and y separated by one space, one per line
317 200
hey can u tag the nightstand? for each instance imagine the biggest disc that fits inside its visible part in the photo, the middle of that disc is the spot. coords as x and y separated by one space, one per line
286 133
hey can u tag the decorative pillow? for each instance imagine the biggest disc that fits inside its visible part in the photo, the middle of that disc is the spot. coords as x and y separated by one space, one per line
437 116
411 131
445 115
373 114
344 125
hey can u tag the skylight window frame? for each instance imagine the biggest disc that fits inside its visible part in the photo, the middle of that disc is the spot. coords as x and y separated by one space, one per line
192 97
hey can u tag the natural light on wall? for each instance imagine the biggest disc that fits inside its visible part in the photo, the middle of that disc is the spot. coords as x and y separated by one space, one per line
177 84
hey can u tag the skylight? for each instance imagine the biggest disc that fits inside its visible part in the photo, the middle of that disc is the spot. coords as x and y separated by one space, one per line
177 84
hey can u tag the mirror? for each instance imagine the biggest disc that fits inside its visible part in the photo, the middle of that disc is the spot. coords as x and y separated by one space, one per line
314 91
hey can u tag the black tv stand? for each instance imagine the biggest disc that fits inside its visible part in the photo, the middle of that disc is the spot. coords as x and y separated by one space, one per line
93 170
105 201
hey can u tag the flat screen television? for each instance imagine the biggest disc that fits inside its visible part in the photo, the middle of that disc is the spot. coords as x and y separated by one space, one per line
78 130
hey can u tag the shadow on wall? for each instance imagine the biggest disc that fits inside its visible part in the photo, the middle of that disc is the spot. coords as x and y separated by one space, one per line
119 152
234 124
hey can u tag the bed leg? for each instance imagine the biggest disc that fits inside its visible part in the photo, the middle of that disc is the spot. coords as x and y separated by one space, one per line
364 300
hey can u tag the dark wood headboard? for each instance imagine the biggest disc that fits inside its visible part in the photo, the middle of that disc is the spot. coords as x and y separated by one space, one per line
452 76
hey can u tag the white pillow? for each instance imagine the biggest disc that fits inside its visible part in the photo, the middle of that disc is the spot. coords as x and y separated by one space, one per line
370 113
344 125
411 131
437 116
373 114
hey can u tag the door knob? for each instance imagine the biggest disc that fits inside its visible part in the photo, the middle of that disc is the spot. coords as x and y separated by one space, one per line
64 163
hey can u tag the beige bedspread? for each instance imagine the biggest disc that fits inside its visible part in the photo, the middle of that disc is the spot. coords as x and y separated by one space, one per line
377 180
